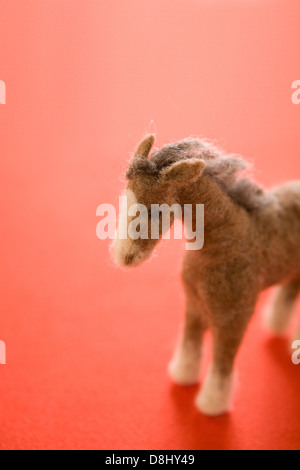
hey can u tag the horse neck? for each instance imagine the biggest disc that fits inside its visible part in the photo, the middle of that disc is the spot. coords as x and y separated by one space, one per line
220 210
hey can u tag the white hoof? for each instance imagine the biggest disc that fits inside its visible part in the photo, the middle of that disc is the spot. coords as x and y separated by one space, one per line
184 367
216 395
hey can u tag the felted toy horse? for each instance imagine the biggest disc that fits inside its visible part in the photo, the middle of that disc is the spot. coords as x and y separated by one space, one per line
252 242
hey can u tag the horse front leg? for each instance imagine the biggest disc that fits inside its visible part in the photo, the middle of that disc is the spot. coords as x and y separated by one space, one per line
215 397
185 365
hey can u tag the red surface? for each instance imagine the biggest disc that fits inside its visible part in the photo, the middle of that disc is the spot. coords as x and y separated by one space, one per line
88 344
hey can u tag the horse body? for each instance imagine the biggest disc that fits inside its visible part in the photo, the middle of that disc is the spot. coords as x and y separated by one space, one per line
280 235
252 241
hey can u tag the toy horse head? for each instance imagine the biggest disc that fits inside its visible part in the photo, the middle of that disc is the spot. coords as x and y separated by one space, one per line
151 181
190 171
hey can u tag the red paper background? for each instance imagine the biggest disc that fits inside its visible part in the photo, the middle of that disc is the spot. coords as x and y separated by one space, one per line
88 344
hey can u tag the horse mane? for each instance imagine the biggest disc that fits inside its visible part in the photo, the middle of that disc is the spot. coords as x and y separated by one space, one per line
225 170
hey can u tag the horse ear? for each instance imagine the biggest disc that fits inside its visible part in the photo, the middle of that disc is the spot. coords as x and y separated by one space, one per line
144 147
184 171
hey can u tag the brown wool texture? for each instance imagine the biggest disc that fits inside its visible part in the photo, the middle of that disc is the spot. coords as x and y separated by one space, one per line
252 238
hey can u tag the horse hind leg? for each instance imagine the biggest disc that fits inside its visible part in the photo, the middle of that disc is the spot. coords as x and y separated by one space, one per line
282 306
